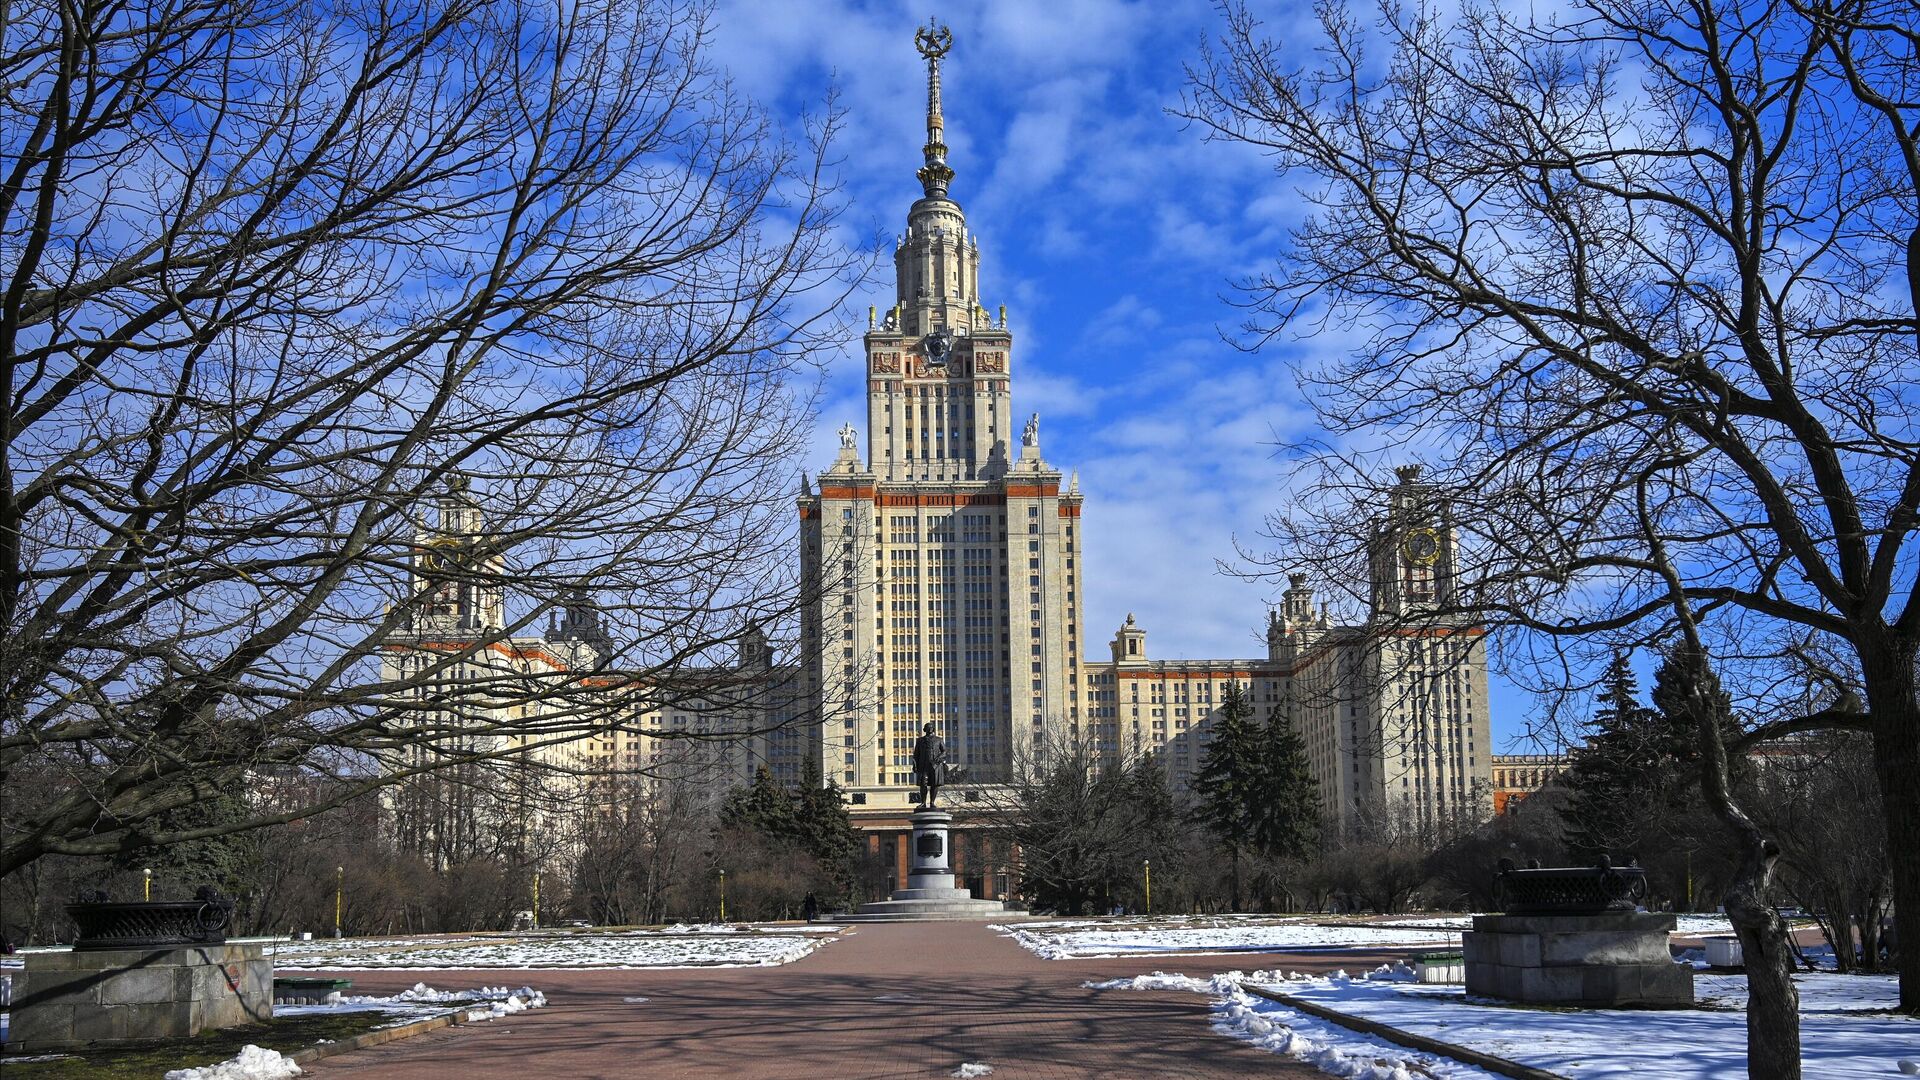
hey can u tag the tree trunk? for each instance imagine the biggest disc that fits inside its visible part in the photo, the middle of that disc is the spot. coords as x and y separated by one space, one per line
1891 700
1773 1004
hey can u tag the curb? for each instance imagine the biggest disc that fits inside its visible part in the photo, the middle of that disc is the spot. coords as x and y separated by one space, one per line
377 1037
1498 1065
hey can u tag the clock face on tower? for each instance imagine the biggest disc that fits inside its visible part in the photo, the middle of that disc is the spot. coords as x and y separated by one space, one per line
1422 546
938 346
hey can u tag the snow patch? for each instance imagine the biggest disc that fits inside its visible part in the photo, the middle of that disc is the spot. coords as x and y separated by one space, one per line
972 1070
1074 944
252 1063
1331 1049
1845 1031
421 1000
681 946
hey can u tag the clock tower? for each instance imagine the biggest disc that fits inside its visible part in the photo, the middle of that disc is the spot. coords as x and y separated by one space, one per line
1411 551
939 401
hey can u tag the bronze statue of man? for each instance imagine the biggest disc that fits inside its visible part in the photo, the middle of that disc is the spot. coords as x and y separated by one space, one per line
929 765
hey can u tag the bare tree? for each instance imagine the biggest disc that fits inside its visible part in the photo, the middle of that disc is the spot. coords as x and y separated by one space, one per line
1818 796
1083 821
278 278
1637 278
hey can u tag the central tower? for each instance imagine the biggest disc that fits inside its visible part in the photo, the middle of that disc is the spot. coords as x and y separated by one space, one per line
939 404
944 565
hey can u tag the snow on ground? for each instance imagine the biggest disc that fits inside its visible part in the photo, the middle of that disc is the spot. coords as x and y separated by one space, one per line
1690 925
283 949
1838 1041
1326 1046
1820 992
252 1063
691 947
1062 941
487 1002
422 1001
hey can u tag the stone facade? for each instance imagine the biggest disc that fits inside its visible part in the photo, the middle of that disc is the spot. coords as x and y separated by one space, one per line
1516 776
71 998
1608 960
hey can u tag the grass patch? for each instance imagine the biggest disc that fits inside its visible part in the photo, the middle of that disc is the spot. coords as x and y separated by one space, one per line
151 1059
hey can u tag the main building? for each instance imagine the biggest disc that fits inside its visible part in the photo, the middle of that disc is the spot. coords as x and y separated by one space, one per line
946 564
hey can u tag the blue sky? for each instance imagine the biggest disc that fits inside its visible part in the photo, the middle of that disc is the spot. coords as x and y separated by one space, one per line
1113 235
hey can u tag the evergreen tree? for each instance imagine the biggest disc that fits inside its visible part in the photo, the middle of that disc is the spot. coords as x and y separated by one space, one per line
225 862
1286 808
809 820
1610 775
825 830
763 806
1634 791
1228 784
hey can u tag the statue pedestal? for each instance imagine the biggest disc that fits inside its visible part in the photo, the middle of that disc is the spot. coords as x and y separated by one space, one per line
930 893
929 855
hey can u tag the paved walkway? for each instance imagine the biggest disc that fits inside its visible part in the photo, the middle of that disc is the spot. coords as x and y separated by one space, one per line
884 1001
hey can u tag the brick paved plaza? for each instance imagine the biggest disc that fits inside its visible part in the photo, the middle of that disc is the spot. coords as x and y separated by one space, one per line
893 1001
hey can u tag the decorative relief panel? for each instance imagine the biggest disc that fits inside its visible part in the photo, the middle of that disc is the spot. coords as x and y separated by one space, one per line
886 363
990 362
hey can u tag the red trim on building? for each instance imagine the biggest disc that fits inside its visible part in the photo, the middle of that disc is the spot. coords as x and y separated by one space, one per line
846 491
1163 675
983 498
512 652
1032 491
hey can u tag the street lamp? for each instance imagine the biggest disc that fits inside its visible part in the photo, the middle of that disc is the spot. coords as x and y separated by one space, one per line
1147 865
339 896
723 896
146 884
536 899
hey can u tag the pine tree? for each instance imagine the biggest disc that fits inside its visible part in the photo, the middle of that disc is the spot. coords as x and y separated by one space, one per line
1286 810
1609 775
1228 783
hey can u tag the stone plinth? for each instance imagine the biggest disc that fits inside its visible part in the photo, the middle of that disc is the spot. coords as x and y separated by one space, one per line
930 892
1609 960
69 999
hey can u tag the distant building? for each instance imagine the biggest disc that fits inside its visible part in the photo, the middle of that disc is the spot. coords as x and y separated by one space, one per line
530 723
1516 776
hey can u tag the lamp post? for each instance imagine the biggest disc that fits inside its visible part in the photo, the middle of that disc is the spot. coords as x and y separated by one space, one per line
146 884
723 896
1147 865
536 899
339 896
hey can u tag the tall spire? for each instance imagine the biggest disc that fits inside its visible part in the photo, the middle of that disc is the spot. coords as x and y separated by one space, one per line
933 41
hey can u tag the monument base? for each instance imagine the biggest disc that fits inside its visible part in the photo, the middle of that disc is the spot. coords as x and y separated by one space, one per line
931 894
69 999
1608 960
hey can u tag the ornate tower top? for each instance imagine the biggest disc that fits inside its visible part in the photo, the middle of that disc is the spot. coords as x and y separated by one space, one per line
934 41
